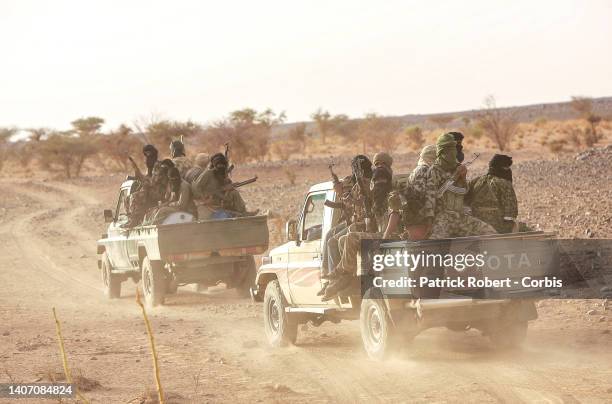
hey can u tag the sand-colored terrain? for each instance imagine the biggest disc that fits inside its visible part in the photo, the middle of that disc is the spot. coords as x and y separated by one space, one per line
212 346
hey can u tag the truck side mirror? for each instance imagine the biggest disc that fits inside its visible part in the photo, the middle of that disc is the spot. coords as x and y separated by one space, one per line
291 230
108 216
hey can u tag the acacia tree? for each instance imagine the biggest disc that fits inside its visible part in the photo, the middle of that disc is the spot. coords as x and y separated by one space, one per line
297 134
27 147
89 126
246 130
415 137
322 119
379 132
162 133
584 107
66 151
499 125
119 144
343 126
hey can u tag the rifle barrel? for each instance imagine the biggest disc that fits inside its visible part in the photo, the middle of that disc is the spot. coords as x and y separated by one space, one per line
245 182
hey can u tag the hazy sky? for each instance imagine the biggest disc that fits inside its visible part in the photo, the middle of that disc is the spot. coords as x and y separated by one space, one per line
122 60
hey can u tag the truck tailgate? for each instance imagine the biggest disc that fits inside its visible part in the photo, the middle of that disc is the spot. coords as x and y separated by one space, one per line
214 235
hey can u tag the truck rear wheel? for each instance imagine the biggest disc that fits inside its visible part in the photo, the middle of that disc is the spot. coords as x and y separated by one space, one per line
111 281
249 273
380 337
280 326
153 282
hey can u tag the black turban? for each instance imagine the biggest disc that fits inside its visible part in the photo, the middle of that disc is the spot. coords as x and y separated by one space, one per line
218 158
499 166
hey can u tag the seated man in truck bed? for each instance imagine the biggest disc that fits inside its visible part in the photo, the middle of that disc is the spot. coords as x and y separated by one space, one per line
213 190
386 204
147 193
445 191
177 154
492 197
179 200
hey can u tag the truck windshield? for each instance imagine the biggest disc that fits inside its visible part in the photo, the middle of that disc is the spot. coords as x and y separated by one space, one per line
313 217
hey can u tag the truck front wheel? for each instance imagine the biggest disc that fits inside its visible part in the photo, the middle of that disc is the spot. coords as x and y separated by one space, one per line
153 282
280 326
111 281
380 337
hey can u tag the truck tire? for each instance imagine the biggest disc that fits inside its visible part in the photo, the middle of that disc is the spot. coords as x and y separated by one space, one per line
509 335
153 282
380 338
280 327
111 281
249 274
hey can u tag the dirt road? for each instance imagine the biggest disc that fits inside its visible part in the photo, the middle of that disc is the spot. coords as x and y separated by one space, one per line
212 347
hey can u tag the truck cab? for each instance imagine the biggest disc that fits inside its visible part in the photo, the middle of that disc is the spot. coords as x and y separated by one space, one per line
297 263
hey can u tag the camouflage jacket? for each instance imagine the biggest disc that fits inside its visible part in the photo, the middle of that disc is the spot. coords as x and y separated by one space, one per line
413 195
436 201
193 173
418 178
183 164
493 200
205 185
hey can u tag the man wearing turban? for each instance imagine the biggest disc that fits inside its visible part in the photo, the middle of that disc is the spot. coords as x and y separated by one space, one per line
445 192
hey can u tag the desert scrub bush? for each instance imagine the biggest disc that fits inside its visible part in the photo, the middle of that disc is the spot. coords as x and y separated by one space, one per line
573 137
414 134
283 149
500 125
66 152
556 145
540 122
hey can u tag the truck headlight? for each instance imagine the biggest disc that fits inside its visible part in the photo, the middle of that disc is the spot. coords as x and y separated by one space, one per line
266 260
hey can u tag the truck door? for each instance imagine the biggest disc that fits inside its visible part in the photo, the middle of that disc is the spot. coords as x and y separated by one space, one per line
131 242
305 256
117 235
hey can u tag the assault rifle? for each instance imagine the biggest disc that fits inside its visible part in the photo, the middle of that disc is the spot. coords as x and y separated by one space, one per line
233 185
245 182
226 154
449 183
333 174
137 171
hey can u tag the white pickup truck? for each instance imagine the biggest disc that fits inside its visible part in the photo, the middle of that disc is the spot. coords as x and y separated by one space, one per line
289 278
179 251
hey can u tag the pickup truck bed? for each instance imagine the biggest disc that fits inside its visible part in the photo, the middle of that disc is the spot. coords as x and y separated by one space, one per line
207 236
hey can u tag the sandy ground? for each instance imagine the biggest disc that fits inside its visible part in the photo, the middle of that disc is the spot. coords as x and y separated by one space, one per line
212 346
